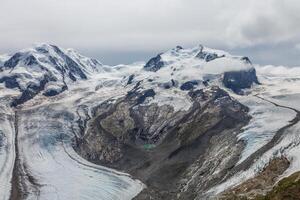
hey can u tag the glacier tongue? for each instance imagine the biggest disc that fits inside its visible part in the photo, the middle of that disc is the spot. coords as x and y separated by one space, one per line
7 151
267 119
59 172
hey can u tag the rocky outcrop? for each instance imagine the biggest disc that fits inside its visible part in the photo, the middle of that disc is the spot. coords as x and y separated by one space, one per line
10 82
239 80
70 66
13 61
172 152
189 85
154 64
31 91
207 56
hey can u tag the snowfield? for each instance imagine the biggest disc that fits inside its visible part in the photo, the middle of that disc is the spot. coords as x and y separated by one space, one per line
7 151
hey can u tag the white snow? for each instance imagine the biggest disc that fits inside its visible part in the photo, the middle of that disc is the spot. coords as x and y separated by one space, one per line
266 120
7 151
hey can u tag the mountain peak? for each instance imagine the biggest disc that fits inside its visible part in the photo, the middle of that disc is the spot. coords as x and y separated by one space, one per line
194 65
45 68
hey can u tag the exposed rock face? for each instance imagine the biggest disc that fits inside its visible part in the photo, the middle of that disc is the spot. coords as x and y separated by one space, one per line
188 85
13 61
154 64
32 90
164 148
10 82
207 56
130 79
238 80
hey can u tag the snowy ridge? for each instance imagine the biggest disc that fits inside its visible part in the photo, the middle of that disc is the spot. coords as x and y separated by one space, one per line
7 151
45 68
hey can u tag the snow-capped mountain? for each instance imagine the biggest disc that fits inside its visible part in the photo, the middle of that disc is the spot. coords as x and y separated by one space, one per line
45 68
200 65
194 123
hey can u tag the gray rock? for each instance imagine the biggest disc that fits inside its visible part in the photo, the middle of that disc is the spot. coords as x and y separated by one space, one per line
239 80
154 64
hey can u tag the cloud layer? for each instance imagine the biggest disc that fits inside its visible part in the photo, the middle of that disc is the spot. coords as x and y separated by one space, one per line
138 26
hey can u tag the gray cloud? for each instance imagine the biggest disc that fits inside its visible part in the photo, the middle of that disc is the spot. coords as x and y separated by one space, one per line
265 22
135 29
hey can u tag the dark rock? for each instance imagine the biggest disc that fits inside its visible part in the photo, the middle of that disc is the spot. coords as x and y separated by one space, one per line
31 60
246 60
71 65
54 92
188 85
41 50
196 93
13 61
239 80
174 83
72 77
208 56
130 79
50 93
166 86
95 61
154 64
146 94
10 82
169 84
134 92
205 83
31 91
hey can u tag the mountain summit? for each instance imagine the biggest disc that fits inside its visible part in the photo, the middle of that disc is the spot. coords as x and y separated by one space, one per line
45 68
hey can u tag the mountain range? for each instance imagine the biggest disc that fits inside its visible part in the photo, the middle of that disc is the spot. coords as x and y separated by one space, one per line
190 123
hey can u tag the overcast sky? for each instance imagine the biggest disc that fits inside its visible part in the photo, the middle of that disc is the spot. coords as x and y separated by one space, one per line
123 31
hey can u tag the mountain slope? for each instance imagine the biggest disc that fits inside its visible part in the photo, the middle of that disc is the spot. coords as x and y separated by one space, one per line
190 123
